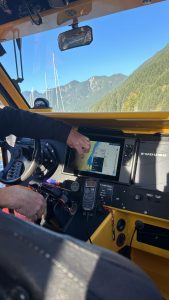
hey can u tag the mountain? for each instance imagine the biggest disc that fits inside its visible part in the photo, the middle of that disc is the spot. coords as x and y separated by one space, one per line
147 89
78 96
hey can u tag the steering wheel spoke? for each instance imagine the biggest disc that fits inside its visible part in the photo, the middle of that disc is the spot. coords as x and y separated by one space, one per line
9 147
29 168
20 167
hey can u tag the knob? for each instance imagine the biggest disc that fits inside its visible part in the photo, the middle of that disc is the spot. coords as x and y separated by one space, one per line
75 186
121 224
120 239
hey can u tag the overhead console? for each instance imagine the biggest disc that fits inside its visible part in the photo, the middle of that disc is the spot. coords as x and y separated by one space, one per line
24 15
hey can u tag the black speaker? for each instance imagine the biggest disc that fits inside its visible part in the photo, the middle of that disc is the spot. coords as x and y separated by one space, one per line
154 236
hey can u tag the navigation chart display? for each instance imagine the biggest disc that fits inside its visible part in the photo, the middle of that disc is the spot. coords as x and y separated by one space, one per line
102 159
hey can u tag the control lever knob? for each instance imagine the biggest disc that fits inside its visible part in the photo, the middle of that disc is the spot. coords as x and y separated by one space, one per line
34 185
70 205
64 199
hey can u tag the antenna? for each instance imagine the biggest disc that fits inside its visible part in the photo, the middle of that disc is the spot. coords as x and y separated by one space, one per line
55 78
46 86
32 97
57 82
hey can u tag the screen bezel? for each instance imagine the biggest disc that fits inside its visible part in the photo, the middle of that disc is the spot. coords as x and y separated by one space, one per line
70 153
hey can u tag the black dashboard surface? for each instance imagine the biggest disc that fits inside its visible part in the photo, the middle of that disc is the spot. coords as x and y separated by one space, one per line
143 182
142 161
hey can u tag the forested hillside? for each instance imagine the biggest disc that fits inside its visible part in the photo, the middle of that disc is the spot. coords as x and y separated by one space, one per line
147 89
78 96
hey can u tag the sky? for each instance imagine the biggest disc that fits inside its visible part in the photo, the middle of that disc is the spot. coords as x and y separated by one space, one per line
121 43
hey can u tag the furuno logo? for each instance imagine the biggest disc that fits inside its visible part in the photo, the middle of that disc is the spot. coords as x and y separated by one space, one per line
153 154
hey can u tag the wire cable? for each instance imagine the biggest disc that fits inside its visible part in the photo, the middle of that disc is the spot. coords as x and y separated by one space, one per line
139 225
34 21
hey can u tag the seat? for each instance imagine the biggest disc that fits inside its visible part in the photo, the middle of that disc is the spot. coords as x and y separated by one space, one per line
38 264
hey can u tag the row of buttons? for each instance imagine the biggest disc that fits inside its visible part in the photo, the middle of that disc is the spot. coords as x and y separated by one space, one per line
128 153
15 171
149 196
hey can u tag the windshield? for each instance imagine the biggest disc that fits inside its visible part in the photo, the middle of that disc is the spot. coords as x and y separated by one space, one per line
125 68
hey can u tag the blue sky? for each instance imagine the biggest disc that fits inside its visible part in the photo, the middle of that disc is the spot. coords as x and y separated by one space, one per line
122 42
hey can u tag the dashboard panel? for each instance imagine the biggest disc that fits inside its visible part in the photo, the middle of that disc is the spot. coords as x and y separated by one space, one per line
139 160
124 171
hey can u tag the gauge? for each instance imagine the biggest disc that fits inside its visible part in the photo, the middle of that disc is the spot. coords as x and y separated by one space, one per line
75 186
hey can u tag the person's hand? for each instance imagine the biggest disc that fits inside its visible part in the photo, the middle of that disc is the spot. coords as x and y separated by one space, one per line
79 142
25 201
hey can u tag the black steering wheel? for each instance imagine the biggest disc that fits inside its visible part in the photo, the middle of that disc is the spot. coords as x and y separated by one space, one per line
21 166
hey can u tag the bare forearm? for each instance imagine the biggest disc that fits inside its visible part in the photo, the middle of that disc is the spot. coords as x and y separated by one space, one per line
23 200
